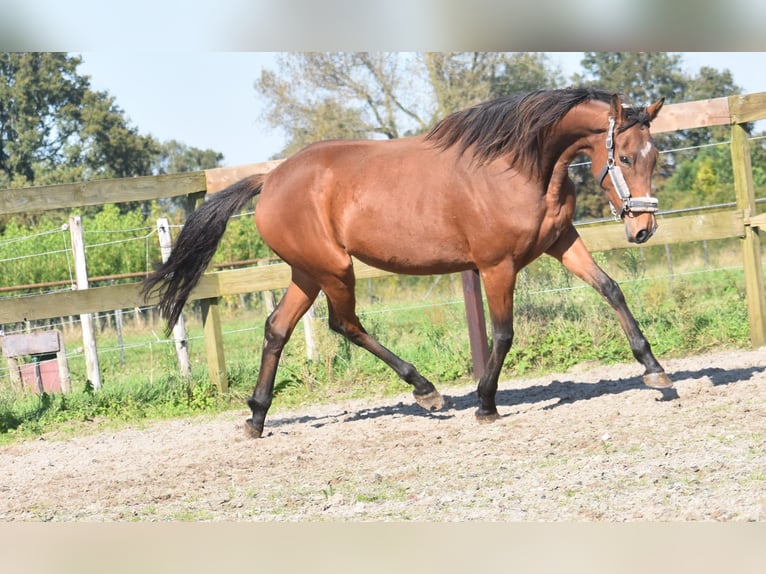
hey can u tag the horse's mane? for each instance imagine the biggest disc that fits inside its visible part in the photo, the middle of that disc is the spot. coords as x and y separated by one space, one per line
516 125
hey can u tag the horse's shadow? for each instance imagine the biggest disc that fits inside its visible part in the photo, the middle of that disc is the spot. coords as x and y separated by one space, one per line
561 391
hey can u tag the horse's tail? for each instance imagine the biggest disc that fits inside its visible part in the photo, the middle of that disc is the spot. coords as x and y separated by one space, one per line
195 246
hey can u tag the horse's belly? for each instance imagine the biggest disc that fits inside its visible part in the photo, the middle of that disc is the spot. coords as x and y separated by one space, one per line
411 256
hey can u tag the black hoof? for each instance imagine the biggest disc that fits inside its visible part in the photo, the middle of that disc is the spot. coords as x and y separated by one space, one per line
657 380
251 431
485 417
432 401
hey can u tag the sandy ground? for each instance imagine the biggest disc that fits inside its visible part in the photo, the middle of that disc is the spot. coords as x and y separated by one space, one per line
592 444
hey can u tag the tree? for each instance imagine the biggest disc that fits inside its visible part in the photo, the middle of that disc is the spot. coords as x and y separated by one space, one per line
459 79
177 157
644 77
317 96
54 128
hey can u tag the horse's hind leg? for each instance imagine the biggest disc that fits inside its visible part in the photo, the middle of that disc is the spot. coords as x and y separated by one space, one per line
300 294
343 319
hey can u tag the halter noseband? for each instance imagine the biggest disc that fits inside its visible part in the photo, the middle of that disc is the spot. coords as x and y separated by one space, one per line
629 204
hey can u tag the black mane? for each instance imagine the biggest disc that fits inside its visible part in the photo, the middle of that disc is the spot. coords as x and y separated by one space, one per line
516 125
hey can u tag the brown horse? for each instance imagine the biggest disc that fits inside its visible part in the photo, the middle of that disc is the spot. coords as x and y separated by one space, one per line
488 188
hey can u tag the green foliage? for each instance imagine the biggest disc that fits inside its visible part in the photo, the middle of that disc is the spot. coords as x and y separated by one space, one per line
24 415
54 128
33 255
358 95
627 73
115 242
241 242
177 157
706 179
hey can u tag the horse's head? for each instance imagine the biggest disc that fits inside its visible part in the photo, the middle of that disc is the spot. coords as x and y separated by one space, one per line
628 159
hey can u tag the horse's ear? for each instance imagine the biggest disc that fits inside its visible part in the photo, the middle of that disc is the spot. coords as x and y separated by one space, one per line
615 109
655 108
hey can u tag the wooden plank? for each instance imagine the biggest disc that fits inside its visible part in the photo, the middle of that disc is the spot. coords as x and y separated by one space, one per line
699 227
751 243
69 195
65 303
222 177
264 278
43 343
234 281
698 114
687 228
127 295
63 366
747 108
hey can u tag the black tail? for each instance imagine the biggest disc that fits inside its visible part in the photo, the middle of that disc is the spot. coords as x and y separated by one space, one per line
195 247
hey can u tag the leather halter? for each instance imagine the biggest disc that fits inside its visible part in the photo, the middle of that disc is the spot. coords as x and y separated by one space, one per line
629 204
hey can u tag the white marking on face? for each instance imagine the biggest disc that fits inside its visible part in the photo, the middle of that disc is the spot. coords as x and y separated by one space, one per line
646 149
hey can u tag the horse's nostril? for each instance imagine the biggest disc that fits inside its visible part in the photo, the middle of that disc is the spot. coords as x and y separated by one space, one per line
642 236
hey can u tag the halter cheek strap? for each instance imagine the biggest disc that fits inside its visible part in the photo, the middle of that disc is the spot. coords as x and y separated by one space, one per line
629 204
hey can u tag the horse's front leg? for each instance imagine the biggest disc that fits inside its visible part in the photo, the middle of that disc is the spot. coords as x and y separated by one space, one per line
499 283
573 254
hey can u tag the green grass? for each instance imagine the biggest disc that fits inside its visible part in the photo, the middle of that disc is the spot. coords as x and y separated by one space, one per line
421 319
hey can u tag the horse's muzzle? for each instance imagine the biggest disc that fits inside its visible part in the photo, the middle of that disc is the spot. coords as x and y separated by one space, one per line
640 234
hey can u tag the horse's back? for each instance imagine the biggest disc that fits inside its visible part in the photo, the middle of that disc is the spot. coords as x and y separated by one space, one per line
386 202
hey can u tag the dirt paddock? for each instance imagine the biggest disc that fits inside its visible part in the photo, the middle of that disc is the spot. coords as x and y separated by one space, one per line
592 444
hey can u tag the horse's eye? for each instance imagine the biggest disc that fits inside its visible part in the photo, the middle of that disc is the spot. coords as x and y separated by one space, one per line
625 160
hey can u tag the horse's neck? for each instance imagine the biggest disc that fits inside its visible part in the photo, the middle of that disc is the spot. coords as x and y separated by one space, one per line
578 132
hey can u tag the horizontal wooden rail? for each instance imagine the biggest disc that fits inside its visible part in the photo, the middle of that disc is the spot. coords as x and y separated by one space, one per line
103 191
699 114
69 195
601 237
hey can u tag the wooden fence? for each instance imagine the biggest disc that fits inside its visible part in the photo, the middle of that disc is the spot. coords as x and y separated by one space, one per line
742 221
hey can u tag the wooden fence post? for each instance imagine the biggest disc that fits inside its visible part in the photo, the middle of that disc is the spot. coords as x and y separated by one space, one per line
180 338
750 240
86 320
477 326
312 353
216 360
211 323
63 365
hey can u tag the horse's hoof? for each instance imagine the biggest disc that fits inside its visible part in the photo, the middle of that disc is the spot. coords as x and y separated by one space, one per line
432 401
486 418
251 431
657 381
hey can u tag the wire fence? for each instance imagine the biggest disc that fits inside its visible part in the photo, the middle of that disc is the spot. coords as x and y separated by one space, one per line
147 339
143 316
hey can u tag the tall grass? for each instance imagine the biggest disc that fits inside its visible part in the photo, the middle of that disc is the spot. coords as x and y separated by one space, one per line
687 304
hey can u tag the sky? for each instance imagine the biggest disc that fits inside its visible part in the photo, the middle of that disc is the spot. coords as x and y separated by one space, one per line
208 99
